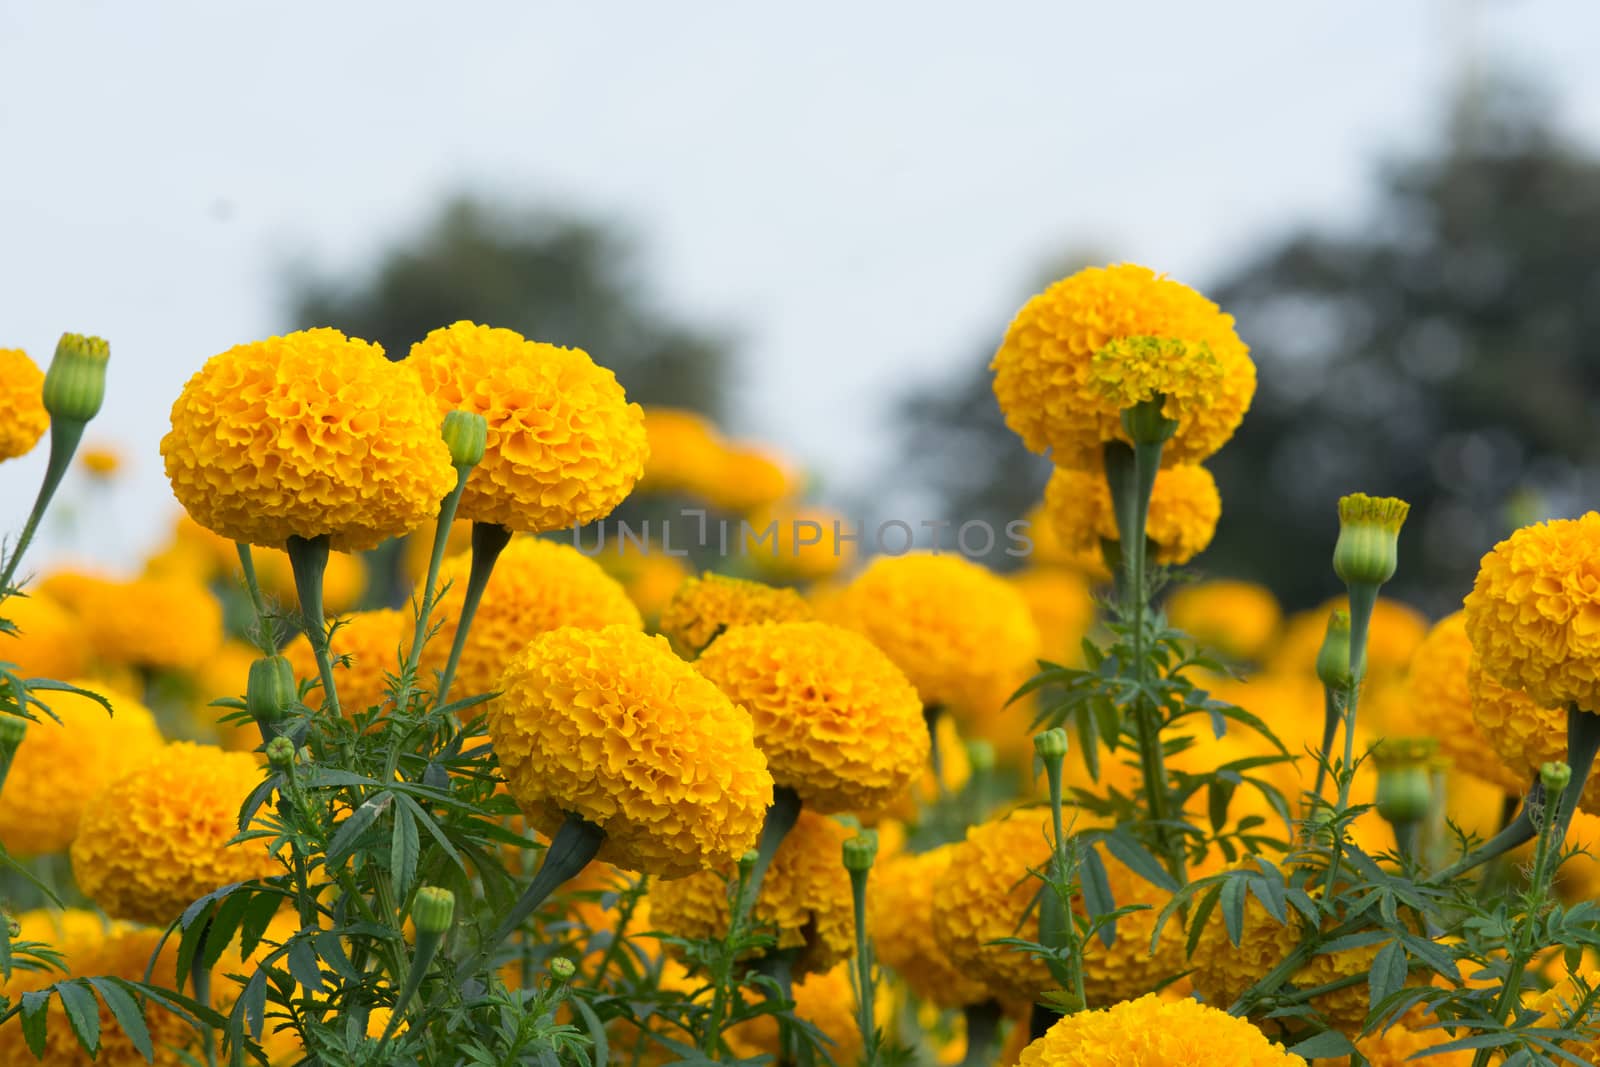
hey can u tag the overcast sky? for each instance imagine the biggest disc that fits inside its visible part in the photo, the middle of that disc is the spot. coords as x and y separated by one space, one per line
860 190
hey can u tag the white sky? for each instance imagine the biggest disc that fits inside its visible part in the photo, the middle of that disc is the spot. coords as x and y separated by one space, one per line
859 190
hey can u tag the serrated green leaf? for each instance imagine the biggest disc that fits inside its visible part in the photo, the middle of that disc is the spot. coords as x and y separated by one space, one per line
1388 974
348 835
1232 900
83 1012
125 1009
35 1005
1097 898
1326 1045
403 849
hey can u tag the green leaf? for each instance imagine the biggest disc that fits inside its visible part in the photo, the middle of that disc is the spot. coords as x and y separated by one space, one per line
1326 1045
403 849
1233 891
35 1007
433 831
349 832
1218 796
302 961
597 1030
219 934
1197 921
258 916
1097 898
1138 859
83 1012
125 1009
1388 974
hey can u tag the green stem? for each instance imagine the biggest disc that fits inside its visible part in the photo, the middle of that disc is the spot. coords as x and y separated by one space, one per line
308 557
866 1013
267 638
931 714
200 977
983 1026
781 817
1363 597
488 541
64 438
441 538
427 946
1330 727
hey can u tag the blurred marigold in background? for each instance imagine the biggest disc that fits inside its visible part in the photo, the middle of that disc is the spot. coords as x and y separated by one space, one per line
1395 632
805 898
197 553
837 720
170 623
827 1001
685 451
649 576
23 419
225 674
1440 700
100 461
366 647
537 585
704 607
1239 619
805 546
46 642
60 767
308 434
1153 1032
564 447
1184 509
1099 341
1127 968
749 479
900 917
611 726
156 839
1063 610
1048 550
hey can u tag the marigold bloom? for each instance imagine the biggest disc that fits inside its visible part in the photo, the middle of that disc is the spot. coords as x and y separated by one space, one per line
1240 619
1399 1045
1523 734
23 418
749 479
1103 340
1152 1032
827 1001
367 647
1127 968
59 767
1534 612
101 461
171 623
704 607
805 546
1063 610
1046 549
47 643
838 721
685 451
537 585
1556 1006
564 447
1184 509
963 635
609 725
156 839
650 579
900 917
1441 700
308 434
805 898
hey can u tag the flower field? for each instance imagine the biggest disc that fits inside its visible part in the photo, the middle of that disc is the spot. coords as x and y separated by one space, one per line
403 749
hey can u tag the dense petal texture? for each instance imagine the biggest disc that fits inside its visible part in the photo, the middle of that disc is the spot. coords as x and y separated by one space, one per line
308 434
609 725
1151 1032
1441 701
564 447
900 918
703 607
23 418
1184 509
1106 338
1523 734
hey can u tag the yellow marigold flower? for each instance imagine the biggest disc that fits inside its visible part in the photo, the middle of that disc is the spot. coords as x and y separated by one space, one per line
703 607
1048 550
23 418
963 635
1579 876
59 767
1396 630
1184 509
1556 1006
156 839
923 790
100 461
1534 612
837 720
609 725
1152 1032
367 648
196 553
685 452
1239 619
1523 734
163 623
309 434
1106 338
749 479
565 446
537 586
1063 610
827 1001
986 894
47 643
650 579
806 544
805 898
900 917
1441 700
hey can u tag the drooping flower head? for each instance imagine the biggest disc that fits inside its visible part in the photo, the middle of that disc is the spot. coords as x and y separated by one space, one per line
900 916
838 721
702 608
1184 509
1105 339
1441 700
156 839
609 725
23 419
1239 618
564 445
308 434
1153 1032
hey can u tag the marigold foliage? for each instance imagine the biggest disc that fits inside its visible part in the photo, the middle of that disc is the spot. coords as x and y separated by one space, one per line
1128 969
827 1001
1534 612
366 647
1184 509
308 434
60 767
837 720
156 839
805 898
1152 1032
1396 1047
609 725
1441 700
1240 619
703 607
900 918
23 418
537 585
564 446
47 643
1103 339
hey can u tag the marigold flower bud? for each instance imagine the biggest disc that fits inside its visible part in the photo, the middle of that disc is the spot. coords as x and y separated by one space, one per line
280 753
1554 777
1333 661
466 434
12 729
1367 551
434 909
1051 744
563 968
75 384
270 690
1405 786
860 851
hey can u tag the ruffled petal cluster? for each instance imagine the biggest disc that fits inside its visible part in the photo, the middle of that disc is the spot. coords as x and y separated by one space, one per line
900 918
308 434
23 418
1239 619
609 725
1152 1032
1184 509
1441 701
1523 734
564 447
838 721
1534 612
366 647
805 898
156 839
1106 338
702 608
60 767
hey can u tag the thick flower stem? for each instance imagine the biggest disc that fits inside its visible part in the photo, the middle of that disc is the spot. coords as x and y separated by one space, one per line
1363 597
426 947
308 557
441 537
488 541
983 1026
866 1011
931 714
65 434
781 817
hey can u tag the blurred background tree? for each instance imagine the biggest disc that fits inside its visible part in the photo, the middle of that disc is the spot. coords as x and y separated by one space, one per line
1445 349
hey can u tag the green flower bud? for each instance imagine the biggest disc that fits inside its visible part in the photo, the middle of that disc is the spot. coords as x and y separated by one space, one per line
466 433
433 910
75 384
280 753
12 729
1333 660
270 690
1405 778
563 968
1554 777
860 851
1051 745
1367 551
1144 423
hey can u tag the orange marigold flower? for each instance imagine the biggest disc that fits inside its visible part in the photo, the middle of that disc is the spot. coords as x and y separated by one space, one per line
900 917
1523 734
1063 609
169 623
47 642
1394 634
1152 1032
308 434
367 647
1441 700
1240 619
23 418
806 543
685 451
703 607
1184 509
748 479
100 461
565 446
